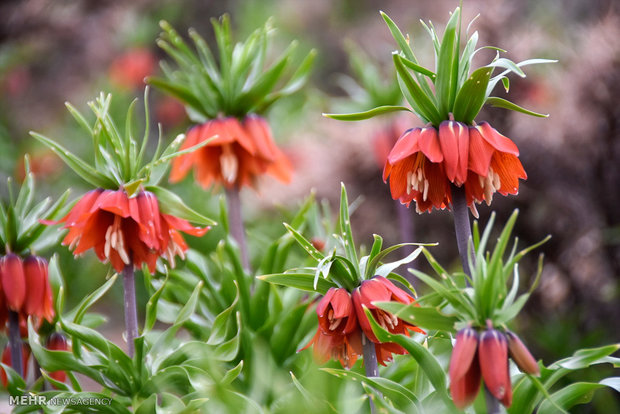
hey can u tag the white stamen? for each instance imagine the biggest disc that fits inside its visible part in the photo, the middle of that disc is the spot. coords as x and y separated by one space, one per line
425 195
229 164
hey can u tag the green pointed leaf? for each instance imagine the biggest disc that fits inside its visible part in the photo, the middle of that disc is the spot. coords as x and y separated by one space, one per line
80 167
358 116
303 281
497 102
418 99
172 204
471 96
447 66
569 396
219 328
423 316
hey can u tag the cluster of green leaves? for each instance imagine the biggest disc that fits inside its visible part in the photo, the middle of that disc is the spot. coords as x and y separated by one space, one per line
21 231
341 267
119 160
239 83
452 88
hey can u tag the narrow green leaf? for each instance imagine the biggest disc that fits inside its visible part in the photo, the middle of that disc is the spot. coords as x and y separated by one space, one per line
569 396
497 102
305 243
188 309
79 311
447 66
303 281
346 231
172 204
421 102
471 96
423 316
220 324
358 116
420 69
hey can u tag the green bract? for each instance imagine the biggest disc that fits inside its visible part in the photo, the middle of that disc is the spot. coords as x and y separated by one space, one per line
342 267
119 159
239 83
453 304
20 228
453 88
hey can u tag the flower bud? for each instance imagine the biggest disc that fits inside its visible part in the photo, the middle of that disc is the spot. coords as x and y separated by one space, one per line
465 368
13 281
521 355
493 353
57 342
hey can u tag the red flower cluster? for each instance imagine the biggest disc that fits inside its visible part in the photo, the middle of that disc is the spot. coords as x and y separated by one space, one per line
486 356
425 161
342 320
242 151
25 289
125 230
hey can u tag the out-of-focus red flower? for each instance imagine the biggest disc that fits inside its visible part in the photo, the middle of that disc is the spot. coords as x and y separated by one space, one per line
338 335
130 68
125 230
57 342
16 81
242 152
13 281
170 112
380 289
6 359
318 243
45 165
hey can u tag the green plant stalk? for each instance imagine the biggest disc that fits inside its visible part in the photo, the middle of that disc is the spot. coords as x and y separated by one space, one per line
462 228
371 368
407 235
237 229
131 313
15 343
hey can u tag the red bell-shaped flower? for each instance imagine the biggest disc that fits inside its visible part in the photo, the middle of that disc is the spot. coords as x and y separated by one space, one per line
521 355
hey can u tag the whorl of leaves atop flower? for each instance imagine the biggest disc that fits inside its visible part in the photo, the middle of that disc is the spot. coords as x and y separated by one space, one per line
239 82
453 87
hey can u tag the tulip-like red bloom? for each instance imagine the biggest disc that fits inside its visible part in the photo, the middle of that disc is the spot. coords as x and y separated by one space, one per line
6 359
57 342
465 368
424 163
125 230
493 165
493 354
241 152
338 335
13 281
380 289
129 69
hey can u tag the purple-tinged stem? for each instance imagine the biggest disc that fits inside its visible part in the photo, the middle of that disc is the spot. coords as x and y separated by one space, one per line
462 227
131 313
371 367
406 230
491 401
235 223
15 343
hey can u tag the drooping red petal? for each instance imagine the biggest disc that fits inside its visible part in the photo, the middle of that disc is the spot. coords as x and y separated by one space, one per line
259 132
184 226
429 144
463 144
493 353
465 389
480 153
181 165
406 145
115 202
439 192
398 177
448 138
35 273
497 140
232 127
509 169
57 342
463 353
13 281
94 231
6 359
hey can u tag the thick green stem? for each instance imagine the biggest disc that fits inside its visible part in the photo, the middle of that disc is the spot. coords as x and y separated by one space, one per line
15 343
235 223
131 313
